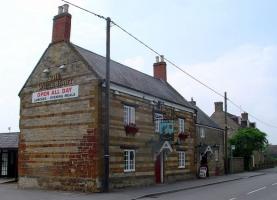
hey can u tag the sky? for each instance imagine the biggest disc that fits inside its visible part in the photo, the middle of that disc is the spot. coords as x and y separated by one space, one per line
230 45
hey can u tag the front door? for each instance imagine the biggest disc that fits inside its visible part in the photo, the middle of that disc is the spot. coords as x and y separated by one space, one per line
159 168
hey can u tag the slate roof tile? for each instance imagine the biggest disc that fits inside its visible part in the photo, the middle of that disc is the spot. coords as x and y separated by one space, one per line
127 77
9 140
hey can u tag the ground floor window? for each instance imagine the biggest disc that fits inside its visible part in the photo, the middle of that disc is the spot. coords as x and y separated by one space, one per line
129 160
181 159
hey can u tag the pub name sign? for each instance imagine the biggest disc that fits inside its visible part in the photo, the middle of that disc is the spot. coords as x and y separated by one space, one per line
55 88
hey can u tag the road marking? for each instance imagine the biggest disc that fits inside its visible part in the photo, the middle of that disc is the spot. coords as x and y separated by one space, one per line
233 199
274 183
256 190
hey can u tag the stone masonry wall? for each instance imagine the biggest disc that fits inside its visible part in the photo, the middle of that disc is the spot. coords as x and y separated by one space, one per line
143 142
59 140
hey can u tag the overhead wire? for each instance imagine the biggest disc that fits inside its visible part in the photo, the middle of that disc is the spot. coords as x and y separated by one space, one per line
170 62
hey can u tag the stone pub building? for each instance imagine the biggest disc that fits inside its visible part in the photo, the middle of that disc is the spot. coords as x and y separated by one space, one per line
152 127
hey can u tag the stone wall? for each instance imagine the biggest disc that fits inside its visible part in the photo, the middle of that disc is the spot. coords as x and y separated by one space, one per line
236 164
59 140
143 142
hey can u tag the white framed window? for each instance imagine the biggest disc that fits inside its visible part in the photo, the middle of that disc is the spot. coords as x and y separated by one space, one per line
129 160
129 115
181 123
158 119
181 159
202 132
216 155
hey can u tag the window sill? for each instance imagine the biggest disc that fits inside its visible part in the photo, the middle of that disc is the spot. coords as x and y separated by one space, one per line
130 170
181 167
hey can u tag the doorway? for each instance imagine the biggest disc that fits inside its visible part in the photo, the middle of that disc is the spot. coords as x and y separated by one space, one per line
4 164
159 168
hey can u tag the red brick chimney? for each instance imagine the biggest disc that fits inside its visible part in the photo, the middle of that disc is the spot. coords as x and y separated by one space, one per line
61 25
159 69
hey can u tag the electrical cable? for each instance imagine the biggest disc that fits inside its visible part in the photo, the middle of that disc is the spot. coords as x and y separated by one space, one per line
171 62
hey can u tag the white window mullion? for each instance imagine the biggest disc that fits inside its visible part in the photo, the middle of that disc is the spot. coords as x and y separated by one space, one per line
129 160
129 115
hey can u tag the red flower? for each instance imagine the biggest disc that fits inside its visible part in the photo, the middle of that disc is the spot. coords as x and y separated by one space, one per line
182 136
131 129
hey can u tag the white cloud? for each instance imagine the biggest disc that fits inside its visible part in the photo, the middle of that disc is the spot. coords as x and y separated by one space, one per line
247 73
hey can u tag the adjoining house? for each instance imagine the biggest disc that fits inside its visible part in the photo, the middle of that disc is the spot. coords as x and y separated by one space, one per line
234 123
152 127
210 144
8 154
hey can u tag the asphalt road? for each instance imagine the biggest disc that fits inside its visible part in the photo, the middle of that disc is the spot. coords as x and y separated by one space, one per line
256 188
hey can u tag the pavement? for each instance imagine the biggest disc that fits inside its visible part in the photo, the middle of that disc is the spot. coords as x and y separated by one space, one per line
11 192
7 180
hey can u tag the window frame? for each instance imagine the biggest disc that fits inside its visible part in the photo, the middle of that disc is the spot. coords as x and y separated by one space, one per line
181 159
202 132
181 125
158 117
129 165
129 115
216 155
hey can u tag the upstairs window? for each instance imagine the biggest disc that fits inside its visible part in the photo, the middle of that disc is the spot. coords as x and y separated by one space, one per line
129 115
202 132
158 119
129 160
181 125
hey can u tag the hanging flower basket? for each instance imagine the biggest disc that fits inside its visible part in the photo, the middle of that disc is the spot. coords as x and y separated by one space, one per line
131 129
182 136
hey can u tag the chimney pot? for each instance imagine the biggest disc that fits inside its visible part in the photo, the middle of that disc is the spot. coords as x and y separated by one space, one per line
65 8
162 58
60 10
157 59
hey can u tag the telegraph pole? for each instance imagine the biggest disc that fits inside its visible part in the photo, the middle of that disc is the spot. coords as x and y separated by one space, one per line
226 167
107 113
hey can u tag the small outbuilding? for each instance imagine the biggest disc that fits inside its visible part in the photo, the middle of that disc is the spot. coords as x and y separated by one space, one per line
8 154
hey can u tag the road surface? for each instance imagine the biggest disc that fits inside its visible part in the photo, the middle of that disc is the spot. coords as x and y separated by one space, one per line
262 187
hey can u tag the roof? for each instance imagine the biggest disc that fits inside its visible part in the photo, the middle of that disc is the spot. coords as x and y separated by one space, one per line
127 77
204 119
9 140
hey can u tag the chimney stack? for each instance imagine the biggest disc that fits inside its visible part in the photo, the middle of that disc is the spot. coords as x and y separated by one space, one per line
61 25
159 68
244 116
218 106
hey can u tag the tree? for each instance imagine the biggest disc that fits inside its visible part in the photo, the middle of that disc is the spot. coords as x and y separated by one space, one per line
247 140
